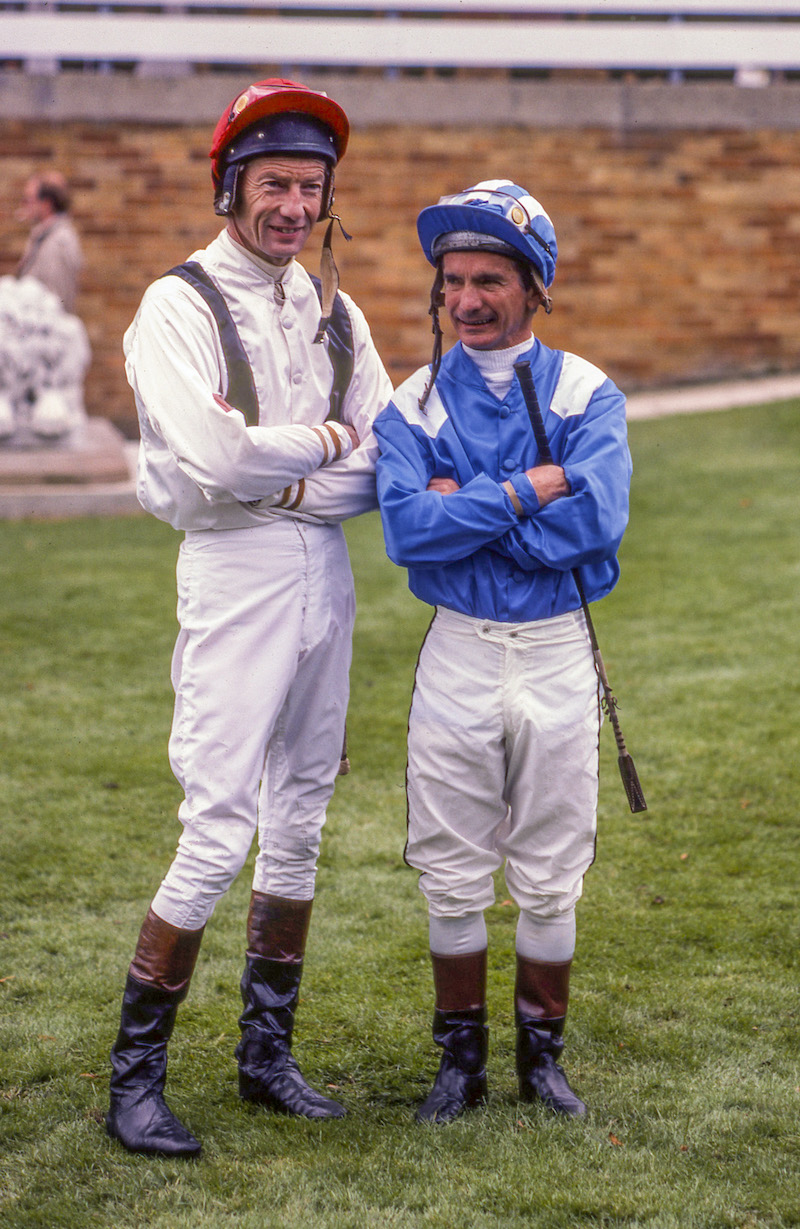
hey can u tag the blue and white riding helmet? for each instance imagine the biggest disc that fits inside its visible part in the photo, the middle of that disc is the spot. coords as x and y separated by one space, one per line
495 215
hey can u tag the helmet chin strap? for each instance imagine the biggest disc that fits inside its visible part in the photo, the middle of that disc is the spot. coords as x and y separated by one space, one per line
328 272
436 329
328 275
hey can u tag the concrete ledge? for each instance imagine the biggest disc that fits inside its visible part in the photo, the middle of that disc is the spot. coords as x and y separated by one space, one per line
94 453
376 100
51 501
67 502
93 476
699 398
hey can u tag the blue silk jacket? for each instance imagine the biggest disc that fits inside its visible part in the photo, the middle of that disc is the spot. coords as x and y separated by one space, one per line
470 551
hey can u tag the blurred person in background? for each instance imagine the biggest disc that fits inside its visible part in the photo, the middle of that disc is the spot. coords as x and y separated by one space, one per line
44 346
53 252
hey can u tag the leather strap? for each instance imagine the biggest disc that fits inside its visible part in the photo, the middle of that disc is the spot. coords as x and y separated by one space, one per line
241 392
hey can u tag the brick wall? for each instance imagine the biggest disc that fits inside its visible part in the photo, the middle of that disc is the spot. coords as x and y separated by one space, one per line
678 248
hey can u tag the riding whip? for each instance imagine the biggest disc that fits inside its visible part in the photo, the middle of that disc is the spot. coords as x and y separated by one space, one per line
627 769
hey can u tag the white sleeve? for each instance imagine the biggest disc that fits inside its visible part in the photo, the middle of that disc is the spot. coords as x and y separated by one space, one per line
174 365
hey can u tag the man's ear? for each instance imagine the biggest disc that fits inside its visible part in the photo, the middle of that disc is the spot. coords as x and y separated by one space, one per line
540 298
535 300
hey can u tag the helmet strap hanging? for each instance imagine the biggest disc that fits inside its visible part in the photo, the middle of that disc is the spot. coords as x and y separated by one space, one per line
541 289
436 329
328 275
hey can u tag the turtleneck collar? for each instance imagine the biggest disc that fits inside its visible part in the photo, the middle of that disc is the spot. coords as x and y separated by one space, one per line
498 360
276 273
497 366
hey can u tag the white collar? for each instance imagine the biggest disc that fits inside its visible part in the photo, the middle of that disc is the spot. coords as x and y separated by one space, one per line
498 360
276 273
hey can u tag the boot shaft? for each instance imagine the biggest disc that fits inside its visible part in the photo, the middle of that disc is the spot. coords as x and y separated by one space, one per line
139 1054
157 983
277 928
270 990
459 982
464 1037
541 997
165 955
542 988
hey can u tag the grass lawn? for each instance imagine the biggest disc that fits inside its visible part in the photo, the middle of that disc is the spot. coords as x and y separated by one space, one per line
684 1025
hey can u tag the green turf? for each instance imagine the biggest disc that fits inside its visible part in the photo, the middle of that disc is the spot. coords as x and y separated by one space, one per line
685 1017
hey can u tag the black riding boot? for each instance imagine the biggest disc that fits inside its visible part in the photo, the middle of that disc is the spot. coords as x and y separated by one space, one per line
138 1115
541 1007
268 1073
460 1028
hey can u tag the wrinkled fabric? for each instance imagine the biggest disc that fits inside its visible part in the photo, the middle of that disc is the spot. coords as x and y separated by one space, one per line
503 763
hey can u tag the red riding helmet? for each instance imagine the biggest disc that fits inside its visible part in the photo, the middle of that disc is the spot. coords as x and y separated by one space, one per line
276 117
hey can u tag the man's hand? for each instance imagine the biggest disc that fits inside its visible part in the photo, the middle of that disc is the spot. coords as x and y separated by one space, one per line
445 486
549 482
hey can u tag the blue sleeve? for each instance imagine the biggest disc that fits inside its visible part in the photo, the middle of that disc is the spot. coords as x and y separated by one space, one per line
586 526
421 527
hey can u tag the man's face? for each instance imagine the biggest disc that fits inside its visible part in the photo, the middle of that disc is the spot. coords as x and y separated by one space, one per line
32 209
487 303
278 201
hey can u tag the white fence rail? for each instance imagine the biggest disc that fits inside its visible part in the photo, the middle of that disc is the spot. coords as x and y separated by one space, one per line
521 8
677 37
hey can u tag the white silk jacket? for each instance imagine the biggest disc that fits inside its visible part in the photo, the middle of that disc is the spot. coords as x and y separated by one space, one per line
200 465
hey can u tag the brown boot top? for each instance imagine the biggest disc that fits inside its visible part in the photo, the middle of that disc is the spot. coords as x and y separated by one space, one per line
460 981
165 955
542 989
277 928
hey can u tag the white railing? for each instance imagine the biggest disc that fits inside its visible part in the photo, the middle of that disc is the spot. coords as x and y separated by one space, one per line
652 35
520 8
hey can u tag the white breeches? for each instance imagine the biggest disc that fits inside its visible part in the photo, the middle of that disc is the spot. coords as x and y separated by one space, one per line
260 672
503 763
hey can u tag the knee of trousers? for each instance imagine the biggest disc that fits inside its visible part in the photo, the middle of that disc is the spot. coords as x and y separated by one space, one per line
544 906
456 874
208 859
456 897
286 863
545 880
